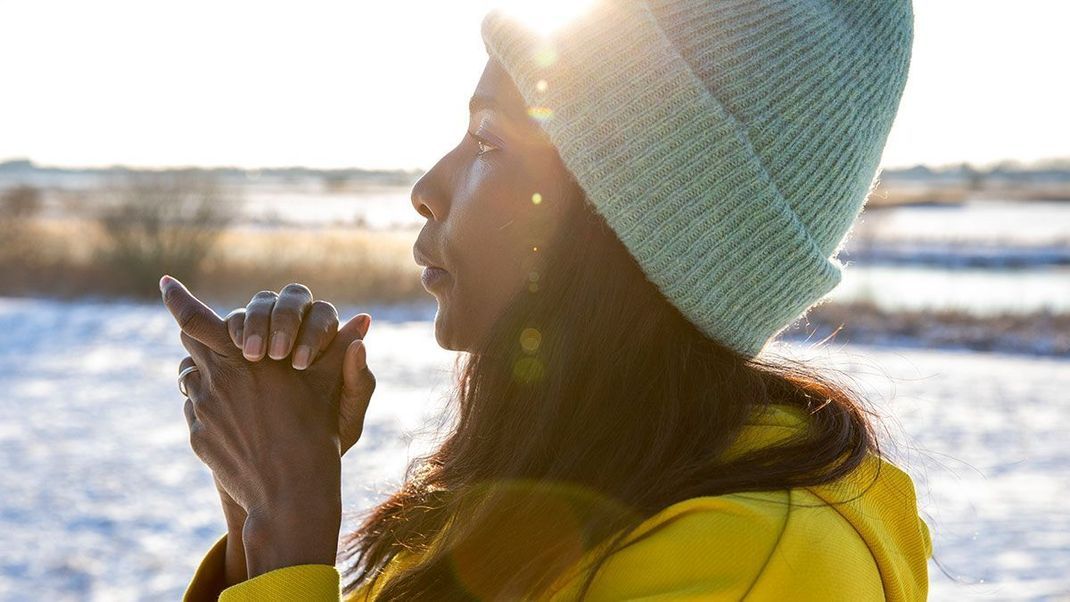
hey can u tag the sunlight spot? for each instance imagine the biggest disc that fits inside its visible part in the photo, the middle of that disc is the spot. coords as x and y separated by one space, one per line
536 198
530 340
545 16
541 86
541 114
545 56
536 249
528 370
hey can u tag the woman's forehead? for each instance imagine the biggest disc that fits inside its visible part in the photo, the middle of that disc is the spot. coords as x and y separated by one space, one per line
496 90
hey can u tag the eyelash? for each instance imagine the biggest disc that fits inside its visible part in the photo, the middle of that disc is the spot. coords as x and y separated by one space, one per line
483 145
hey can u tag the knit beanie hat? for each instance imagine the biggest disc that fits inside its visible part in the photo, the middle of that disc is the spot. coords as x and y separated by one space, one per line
729 144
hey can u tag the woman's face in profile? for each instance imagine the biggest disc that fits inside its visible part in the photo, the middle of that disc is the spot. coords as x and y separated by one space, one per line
493 203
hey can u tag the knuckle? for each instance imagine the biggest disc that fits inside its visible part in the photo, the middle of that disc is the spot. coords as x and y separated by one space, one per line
325 308
296 288
263 296
202 406
323 304
186 319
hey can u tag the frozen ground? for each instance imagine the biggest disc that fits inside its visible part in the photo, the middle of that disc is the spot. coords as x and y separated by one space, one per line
101 499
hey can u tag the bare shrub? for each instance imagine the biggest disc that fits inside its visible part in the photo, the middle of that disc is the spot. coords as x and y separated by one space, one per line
20 202
162 222
18 208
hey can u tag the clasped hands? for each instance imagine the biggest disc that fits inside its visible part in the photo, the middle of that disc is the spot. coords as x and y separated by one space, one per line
273 432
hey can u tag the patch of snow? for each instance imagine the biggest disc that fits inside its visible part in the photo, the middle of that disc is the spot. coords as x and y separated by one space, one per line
103 500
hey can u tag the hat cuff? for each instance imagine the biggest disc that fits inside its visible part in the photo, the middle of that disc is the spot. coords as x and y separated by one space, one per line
669 168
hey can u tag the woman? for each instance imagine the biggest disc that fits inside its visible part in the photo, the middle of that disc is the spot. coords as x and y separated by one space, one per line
642 201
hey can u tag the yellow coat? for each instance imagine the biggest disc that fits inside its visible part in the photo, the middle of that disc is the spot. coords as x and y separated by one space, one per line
799 544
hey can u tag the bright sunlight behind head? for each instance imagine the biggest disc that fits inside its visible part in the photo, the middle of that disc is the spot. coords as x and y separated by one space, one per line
545 16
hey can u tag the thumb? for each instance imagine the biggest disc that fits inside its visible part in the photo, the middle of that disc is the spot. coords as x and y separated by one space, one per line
358 384
355 369
352 330
195 318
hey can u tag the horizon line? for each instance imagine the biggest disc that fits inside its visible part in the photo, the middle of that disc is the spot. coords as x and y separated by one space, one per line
1034 163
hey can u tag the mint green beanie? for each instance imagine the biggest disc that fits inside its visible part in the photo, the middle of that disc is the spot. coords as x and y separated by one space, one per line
729 144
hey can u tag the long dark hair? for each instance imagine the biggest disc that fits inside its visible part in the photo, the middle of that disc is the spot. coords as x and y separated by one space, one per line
591 405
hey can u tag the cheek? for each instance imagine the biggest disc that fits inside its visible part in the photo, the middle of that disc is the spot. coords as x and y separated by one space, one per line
503 224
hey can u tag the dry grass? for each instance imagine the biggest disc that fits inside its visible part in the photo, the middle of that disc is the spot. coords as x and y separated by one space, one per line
60 258
891 196
885 195
350 265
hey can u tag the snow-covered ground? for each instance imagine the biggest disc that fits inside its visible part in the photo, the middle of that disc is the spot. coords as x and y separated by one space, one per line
101 499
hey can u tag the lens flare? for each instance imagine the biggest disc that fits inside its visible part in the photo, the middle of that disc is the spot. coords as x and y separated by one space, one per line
546 16
541 114
528 370
530 339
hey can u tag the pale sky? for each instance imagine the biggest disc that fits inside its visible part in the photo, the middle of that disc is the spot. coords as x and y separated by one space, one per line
385 84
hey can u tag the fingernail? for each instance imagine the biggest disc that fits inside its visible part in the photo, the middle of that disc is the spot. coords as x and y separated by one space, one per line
301 357
279 343
164 282
240 336
253 346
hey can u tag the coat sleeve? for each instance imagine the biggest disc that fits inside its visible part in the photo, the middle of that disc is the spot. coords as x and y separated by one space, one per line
208 580
314 582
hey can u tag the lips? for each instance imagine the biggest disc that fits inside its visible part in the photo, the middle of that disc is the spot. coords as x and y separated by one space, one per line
424 260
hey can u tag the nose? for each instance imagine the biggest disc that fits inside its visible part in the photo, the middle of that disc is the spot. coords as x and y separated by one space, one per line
428 194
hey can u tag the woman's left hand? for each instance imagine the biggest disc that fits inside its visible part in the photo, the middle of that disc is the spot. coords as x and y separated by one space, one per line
269 433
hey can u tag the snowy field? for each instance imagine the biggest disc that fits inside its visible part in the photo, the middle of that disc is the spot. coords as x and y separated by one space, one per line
101 498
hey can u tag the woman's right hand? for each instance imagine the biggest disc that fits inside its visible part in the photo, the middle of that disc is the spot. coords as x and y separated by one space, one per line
291 320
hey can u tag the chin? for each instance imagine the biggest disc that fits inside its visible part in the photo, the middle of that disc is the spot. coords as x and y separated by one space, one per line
443 334
450 335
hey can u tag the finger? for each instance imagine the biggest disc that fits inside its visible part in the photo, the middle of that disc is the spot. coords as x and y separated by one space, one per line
186 363
197 435
290 308
235 322
257 322
352 330
191 416
187 408
194 317
317 330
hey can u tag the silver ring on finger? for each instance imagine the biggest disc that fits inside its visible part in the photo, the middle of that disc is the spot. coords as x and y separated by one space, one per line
182 379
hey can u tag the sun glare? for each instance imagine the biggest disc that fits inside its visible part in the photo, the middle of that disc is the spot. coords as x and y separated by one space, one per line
545 16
